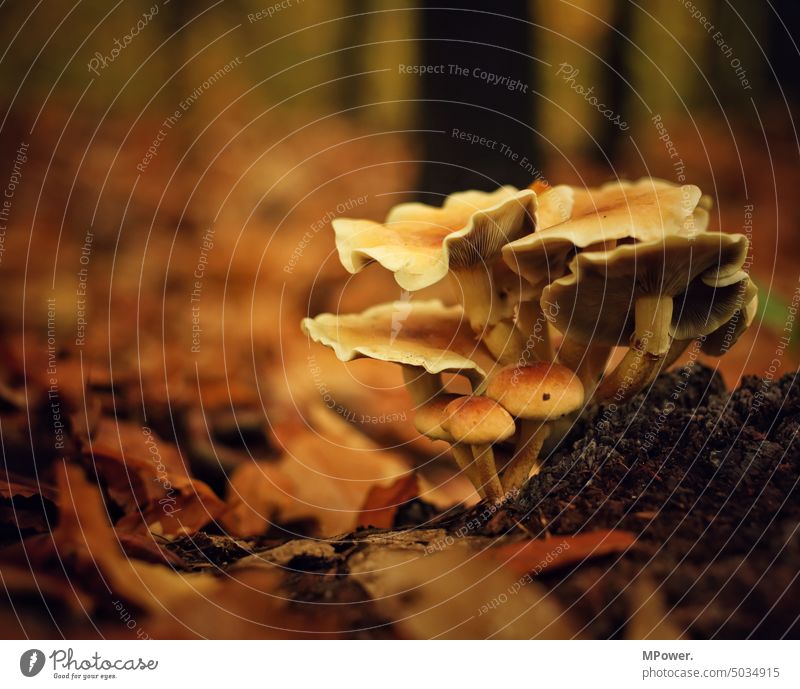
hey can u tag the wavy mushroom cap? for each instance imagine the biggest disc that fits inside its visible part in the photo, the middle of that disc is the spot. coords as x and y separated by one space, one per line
640 211
702 274
428 418
421 243
538 391
425 334
477 421
554 204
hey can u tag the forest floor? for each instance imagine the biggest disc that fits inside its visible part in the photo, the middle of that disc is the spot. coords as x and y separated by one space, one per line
676 516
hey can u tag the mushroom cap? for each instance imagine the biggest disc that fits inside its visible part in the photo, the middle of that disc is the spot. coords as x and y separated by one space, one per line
644 210
429 416
477 421
595 302
723 338
426 334
421 243
554 204
539 391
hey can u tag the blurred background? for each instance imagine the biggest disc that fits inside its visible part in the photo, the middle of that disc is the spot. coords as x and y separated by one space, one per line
146 123
170 171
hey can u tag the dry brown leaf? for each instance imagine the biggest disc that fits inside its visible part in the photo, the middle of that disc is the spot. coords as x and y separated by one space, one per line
147 478
382 503
325 474
558 552
86 545
20 582
259 495
16 485
245 605
165 603
25 501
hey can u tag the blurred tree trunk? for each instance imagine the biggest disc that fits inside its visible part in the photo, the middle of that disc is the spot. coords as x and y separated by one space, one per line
465 42
576 37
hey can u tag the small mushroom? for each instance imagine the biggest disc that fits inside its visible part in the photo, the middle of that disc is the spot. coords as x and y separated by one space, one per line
432 338
479 422
648 294
428 420
538 394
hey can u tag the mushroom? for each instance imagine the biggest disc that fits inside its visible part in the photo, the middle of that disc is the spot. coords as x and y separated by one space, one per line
647 295
428 420
431 339
421 244
618 211
723 338
479 422
538 394
640 211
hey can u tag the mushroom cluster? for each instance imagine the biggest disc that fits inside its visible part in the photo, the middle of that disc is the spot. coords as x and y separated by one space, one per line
549 280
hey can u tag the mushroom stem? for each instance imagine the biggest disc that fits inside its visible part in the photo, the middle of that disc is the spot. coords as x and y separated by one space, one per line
463 456
653 320
532 435
475 285
486 472
628 378
477 297
676 349
504 341
533 325
587 360
421 385
651 342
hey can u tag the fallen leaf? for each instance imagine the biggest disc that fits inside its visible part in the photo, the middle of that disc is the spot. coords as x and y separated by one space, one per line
324 475
86 548
247 604
382 503
26 502
557 552
16 485
147 478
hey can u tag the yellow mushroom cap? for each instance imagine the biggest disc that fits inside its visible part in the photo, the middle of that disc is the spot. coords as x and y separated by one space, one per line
539 391
425 334
420 244
639 211
428 417
477 421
